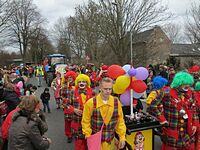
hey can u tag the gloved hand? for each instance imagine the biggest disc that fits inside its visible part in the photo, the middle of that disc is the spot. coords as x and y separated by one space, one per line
164 138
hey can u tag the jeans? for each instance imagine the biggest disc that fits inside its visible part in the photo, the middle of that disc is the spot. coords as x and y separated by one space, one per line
46 105
39 80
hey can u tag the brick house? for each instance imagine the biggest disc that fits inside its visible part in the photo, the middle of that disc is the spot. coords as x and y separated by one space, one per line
154 47
151 47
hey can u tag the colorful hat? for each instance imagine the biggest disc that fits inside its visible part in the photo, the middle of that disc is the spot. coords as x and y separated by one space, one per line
70 73
197 86
159 82
182 78
82 77
104 67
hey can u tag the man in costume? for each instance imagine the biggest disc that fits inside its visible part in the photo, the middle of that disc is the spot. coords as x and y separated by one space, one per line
67 87
104 110
196 95
178 115
159 88
77 99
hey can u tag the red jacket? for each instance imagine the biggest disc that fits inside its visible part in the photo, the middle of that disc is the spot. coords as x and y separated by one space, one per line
6 124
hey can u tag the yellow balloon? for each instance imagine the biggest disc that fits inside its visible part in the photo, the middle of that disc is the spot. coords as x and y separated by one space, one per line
123 82
117 90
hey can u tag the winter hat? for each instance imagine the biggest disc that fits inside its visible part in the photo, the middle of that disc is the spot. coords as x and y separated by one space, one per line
182 78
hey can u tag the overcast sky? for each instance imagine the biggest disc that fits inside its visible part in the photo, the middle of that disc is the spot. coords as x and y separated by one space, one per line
53 9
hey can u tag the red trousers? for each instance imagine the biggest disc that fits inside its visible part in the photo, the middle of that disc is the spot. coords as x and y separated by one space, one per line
198 139
166 147
80 144
68 131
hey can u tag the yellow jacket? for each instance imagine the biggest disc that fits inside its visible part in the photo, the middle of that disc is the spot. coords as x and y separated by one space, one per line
120 128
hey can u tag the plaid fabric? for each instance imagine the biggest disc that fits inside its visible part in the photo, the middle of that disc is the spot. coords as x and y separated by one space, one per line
97 121
156 108
74 101
172 114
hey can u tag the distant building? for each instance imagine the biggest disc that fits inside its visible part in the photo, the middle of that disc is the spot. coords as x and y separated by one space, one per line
154 47
151 47
186 53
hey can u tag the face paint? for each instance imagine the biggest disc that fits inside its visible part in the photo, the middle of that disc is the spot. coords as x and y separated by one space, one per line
82 84
70 79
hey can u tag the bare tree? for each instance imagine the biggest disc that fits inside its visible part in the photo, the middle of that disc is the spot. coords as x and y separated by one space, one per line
61 36
173 31
23 23
193 23
128 15
39 45
5 14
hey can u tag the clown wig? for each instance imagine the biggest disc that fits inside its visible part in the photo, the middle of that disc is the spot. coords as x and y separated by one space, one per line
197 86
159 82
182 78
82 77
70 74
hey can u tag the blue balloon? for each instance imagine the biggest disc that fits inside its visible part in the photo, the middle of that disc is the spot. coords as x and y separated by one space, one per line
137 95
126 67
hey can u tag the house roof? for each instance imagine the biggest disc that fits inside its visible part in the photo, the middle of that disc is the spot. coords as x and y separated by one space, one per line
185 50
143 36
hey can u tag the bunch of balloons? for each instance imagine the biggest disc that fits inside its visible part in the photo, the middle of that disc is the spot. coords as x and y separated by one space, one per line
128 79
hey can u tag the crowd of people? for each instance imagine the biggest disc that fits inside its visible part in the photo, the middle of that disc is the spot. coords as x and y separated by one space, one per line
93 112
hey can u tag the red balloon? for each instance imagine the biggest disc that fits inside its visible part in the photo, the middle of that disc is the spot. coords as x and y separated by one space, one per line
138 86
115 71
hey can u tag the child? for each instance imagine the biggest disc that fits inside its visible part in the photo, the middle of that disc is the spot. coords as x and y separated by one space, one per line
45 97
56 85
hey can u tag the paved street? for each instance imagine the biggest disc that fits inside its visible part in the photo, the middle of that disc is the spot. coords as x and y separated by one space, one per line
55 122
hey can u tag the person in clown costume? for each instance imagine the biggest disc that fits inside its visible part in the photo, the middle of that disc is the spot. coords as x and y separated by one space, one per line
179 116
197 98
159 88
77 99
56 85
104 112
67 87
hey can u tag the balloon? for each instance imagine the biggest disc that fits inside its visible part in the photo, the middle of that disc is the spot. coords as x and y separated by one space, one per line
123 82
115 71
117 90
137 95
142 73
132 72
125 98
138 86
126 67
134 78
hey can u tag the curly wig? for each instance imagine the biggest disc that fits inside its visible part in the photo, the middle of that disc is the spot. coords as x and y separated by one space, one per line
159 82
82 77
182 78
197 86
